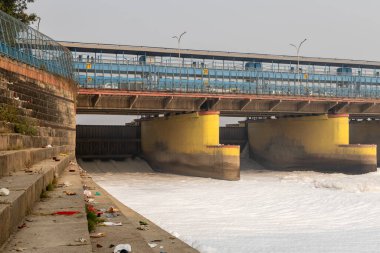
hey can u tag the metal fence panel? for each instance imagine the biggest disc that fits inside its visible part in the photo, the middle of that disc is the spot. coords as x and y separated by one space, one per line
25 44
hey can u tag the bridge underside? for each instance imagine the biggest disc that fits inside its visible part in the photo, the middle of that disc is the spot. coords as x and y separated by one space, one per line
104 101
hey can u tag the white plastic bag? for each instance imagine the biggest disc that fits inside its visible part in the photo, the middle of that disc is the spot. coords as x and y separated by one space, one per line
4 192
119 248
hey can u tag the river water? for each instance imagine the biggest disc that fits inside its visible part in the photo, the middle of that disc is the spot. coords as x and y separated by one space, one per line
266 211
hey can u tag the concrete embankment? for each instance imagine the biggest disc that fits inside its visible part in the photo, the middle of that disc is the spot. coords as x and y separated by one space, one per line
319 143
37 136
188 144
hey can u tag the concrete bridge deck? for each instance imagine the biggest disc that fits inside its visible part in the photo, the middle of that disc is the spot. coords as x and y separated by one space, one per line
100 101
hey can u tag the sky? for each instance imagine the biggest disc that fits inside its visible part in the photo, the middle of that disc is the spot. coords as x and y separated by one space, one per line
334 29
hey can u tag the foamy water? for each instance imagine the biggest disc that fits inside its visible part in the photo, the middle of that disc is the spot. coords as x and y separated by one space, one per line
265 211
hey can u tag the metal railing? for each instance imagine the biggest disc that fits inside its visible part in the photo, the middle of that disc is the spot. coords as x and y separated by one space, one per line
156 77
25 44
225 65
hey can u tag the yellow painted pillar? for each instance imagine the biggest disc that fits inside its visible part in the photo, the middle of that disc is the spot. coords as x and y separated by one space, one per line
188 144
366 132
313 142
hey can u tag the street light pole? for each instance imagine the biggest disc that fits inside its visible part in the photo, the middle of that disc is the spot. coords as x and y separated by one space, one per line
179 43
298 58
38 24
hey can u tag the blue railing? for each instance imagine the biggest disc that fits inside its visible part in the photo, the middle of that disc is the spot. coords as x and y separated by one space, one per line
186 79
25 44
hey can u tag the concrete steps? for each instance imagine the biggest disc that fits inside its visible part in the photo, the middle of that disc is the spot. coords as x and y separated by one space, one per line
12 141
47 233
25 190
17 160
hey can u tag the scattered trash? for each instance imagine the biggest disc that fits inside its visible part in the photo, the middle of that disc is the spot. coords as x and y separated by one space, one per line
91 208
29 220
87 193
143 228
122 248
70 193
112 210
20 249
110 223
97 193
4 192
152 245
99 246
81 240
97 235
158 240
67 213
61 185
90 200
22 226
111 215
48 146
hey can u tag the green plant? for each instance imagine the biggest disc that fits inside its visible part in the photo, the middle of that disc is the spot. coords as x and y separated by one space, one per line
22 125
50 187
92 218
44 194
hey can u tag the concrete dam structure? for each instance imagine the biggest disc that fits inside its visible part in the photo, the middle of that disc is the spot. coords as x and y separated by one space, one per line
188 144
325 143
366 132
318 143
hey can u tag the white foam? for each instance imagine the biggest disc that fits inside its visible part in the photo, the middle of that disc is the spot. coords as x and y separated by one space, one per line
266 211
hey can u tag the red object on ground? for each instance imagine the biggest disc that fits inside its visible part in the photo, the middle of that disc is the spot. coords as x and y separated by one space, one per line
66 212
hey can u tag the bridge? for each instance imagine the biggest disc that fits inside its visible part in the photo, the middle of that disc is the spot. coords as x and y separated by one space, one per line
122 79
319 104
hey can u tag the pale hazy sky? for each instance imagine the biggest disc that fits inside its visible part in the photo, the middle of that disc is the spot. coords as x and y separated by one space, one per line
334 28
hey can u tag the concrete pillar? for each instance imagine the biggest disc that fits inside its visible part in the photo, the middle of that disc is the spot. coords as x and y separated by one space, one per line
318 143
366 132
188 144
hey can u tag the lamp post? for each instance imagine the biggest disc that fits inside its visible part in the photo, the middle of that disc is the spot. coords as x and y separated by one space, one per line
38 24
179 43
298 58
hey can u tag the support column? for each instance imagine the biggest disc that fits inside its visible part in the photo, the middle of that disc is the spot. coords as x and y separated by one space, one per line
318 143
188 144
366 132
